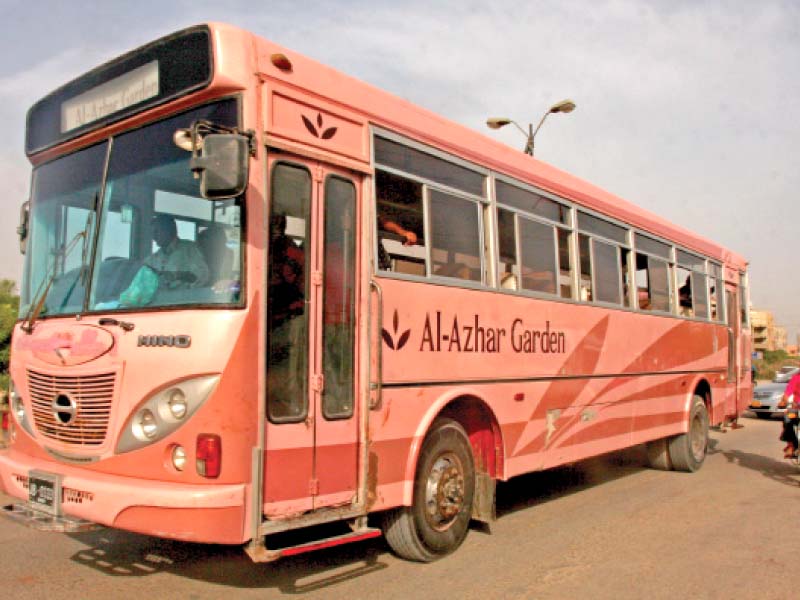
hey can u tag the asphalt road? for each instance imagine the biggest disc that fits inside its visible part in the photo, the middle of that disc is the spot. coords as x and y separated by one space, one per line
604 528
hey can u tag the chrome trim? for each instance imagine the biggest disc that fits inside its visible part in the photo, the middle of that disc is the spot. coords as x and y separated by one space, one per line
36 519
70 458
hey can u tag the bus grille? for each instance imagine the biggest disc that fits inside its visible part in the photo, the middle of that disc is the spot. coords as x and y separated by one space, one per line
73 410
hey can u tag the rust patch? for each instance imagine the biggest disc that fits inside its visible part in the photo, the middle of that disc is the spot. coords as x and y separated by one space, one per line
386 411
372 480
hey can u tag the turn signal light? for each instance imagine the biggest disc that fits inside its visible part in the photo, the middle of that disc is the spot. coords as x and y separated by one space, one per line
209 455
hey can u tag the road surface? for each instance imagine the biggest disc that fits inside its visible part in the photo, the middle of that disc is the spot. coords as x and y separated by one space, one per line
603 528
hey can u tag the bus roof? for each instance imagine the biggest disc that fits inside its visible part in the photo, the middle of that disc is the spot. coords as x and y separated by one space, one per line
380 108
388 111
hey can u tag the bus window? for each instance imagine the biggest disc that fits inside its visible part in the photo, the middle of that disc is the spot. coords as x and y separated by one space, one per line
607 276
700 296
338 301
399 208
685 304
715 292
287 321
506 229
743 300
538 252
564 269
455 237
584 251
652 283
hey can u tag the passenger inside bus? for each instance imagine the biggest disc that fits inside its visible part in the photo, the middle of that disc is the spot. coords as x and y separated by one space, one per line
685 297
213 243
177 264
286 325
508 281
409 239
399 223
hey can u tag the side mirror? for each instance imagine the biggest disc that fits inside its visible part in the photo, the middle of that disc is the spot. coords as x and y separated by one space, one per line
22 229
222 165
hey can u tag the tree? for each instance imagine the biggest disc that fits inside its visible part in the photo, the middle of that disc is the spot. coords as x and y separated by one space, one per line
9 307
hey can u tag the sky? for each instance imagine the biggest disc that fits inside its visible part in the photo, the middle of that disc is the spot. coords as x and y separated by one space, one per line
688 108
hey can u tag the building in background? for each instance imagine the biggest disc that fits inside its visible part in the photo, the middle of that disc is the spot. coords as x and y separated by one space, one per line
766 335
781 340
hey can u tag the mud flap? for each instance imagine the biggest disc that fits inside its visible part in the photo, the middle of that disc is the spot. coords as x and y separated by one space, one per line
483 504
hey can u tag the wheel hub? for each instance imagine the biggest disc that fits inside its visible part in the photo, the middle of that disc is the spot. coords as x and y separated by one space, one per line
444 492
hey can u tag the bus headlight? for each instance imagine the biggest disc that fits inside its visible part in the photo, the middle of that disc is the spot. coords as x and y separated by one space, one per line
177 403
164 412
18 408
145 426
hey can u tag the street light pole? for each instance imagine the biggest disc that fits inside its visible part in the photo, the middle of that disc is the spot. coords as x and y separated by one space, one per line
565 106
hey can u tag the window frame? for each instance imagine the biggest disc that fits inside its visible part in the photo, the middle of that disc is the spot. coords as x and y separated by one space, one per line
481 203
493 266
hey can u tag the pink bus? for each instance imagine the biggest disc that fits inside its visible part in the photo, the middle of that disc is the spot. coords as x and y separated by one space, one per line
262 296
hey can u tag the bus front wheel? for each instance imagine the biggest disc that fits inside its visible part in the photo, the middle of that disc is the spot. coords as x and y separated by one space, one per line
687 451
444 486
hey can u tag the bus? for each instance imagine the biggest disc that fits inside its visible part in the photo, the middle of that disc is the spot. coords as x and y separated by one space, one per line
261 296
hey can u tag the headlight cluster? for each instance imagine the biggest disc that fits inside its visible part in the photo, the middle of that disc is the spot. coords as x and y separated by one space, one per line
18 409
165 411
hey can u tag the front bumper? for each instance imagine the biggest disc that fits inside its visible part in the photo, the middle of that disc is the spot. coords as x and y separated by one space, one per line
766 409
213 513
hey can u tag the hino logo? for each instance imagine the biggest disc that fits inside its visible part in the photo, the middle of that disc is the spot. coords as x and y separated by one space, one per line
65 409
176 341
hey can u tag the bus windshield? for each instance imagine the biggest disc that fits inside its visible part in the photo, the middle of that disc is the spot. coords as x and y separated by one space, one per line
142 238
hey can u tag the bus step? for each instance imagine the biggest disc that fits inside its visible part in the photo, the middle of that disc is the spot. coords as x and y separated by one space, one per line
260 553
36 519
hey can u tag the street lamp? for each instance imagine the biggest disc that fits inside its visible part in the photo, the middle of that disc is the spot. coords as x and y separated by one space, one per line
565 106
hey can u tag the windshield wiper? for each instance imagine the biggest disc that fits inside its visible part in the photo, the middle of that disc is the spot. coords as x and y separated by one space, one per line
84 272
40 297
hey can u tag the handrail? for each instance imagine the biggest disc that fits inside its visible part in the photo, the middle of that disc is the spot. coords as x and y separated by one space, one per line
377 386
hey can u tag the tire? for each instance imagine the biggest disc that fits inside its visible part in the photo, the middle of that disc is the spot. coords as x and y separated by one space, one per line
687 451
444 487
658 455
762 415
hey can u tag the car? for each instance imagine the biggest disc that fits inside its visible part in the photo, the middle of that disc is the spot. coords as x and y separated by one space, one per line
785 374
766 398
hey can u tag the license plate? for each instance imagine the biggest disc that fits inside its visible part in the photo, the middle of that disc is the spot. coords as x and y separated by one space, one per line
44 492
756 404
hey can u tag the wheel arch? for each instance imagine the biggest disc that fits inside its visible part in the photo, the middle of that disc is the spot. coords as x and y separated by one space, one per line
480 423
701 388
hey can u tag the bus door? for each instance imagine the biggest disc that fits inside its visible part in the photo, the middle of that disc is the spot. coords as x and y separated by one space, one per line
311 441
732 388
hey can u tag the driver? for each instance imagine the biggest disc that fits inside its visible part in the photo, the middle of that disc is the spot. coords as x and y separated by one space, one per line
177 264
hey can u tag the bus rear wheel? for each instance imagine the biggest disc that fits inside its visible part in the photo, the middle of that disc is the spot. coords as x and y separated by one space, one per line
687 451
444 486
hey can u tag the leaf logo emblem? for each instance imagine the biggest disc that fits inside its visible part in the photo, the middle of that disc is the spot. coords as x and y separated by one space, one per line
389 338
315 129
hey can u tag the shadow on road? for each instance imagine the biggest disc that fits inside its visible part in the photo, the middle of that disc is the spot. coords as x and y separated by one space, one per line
777 470
123 554
529 490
